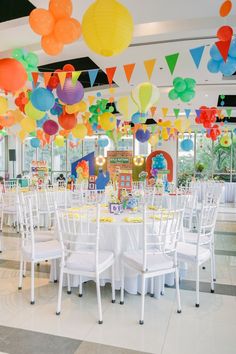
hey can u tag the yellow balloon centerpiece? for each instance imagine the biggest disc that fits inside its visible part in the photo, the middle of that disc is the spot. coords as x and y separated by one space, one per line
107 27
107 121
145 95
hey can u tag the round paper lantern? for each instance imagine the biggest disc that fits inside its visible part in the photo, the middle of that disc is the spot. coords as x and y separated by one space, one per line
107 27
186 145
3 105
70 94
42 99
107 121
145 95
50 45
226 141
103 143
60 8
35 143
142 136
41 21
59 141
28 125
32 112
80 131
77 107
50 127
13 75
67 121
67 30
136 118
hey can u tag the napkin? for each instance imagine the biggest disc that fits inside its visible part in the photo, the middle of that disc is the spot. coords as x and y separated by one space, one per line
133 219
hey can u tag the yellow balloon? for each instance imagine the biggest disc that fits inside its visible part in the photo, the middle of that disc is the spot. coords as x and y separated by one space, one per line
182 124
3 105
164 134
126 107
18 115
28 125
80 131
153 140
59 141
107 121
77 107
32 112
107 27
22 134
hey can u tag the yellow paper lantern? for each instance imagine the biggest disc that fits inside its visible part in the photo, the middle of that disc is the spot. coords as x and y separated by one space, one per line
80 131
3 105
126 107
28 125
107 27
145 95
107 121
59 141
77 107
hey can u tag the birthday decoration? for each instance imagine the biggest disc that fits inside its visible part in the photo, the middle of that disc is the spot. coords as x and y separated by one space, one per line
142 135
42 99
226 8
29 60
225 140
217 63
145 95
69 93
184 89
186 145
13 75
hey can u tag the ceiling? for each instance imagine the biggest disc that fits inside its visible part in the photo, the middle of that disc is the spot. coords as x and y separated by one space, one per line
162 27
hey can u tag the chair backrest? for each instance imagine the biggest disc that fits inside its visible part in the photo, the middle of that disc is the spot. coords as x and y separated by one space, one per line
10 185
207 223
9 200
161 232
79 230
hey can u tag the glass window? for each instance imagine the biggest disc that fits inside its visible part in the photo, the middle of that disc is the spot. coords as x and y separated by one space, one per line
204 151
44 154
185 161
2 154
59 157
90 145
29 154
74 153
221 160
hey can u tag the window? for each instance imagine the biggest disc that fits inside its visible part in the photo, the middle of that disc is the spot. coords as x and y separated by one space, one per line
89 145
125 144
185 161
2 154
44 154
29 154
204 152
74 152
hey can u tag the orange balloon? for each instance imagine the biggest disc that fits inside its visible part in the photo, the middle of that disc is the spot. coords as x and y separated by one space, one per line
50 45
7 120
64 133
41 21
60 8
67 30
12 75
67 121
225 8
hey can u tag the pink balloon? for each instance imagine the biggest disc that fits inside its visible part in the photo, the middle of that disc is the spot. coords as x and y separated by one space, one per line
70 94
50 127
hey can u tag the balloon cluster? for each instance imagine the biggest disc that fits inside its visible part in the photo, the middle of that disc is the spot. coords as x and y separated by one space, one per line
217 64
22 99
28 59
184 89
207 118
101 115
55 25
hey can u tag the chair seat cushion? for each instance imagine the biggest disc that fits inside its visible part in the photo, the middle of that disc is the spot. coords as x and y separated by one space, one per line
85 261
43 250
43 236
155 261
188 252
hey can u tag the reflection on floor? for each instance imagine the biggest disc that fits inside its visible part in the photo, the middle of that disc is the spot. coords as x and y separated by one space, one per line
26 329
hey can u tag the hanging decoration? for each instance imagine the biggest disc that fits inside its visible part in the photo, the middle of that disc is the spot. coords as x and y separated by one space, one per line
225 140
184 89
13 75
29 60
186 145
145 95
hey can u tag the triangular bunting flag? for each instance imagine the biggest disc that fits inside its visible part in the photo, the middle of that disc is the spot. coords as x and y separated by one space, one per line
172 61
153 111
198 111
176 112
223 47
129 68
92 76
165 111
187 112
46 77
91 99
196 54
75 76
62 77
110 74
149 66
35 76
229 112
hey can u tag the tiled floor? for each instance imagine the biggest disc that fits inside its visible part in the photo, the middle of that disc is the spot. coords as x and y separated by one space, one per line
36 329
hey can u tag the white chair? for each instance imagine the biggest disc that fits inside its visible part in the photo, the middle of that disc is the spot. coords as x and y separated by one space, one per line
11 185
46 209
9 209
33 252
198 247
79 236
158 254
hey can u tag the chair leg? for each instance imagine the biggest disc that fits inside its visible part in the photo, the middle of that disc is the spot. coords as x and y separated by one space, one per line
212 273
162 285
122 283
141 321
113 300
214 262
24 269
68 284
60 291
197 286
100 321
32 284
21 273
177 290
80 286
152 287
54 265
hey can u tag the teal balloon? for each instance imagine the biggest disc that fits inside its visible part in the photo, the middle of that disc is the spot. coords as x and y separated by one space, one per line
228 68
186 145
187 96
232 49
42 99
213 66
179 84
190 83
35 143
32 59
135 119
173 95
18 53
215 54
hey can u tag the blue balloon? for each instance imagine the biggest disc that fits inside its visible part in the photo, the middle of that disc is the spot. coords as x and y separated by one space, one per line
41 121
42 99
228 68
215 54
186 145
35 143
103 142
213 66
232 49
135 119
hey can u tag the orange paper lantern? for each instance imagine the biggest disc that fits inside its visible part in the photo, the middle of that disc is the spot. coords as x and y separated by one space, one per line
67 121
50 45
12 75
41 21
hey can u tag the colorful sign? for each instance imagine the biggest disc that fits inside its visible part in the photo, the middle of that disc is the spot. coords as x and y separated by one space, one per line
119 160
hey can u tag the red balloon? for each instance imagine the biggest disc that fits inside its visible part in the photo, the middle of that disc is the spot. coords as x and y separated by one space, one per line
13 76
67 121
68 67
53 82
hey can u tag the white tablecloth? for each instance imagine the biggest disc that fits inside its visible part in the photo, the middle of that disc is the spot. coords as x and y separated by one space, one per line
229 194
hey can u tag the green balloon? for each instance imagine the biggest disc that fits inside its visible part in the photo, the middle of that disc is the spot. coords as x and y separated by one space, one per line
190 83
173 95
93 109
111 109
179 84
23 62
18 53
187 95
32 59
